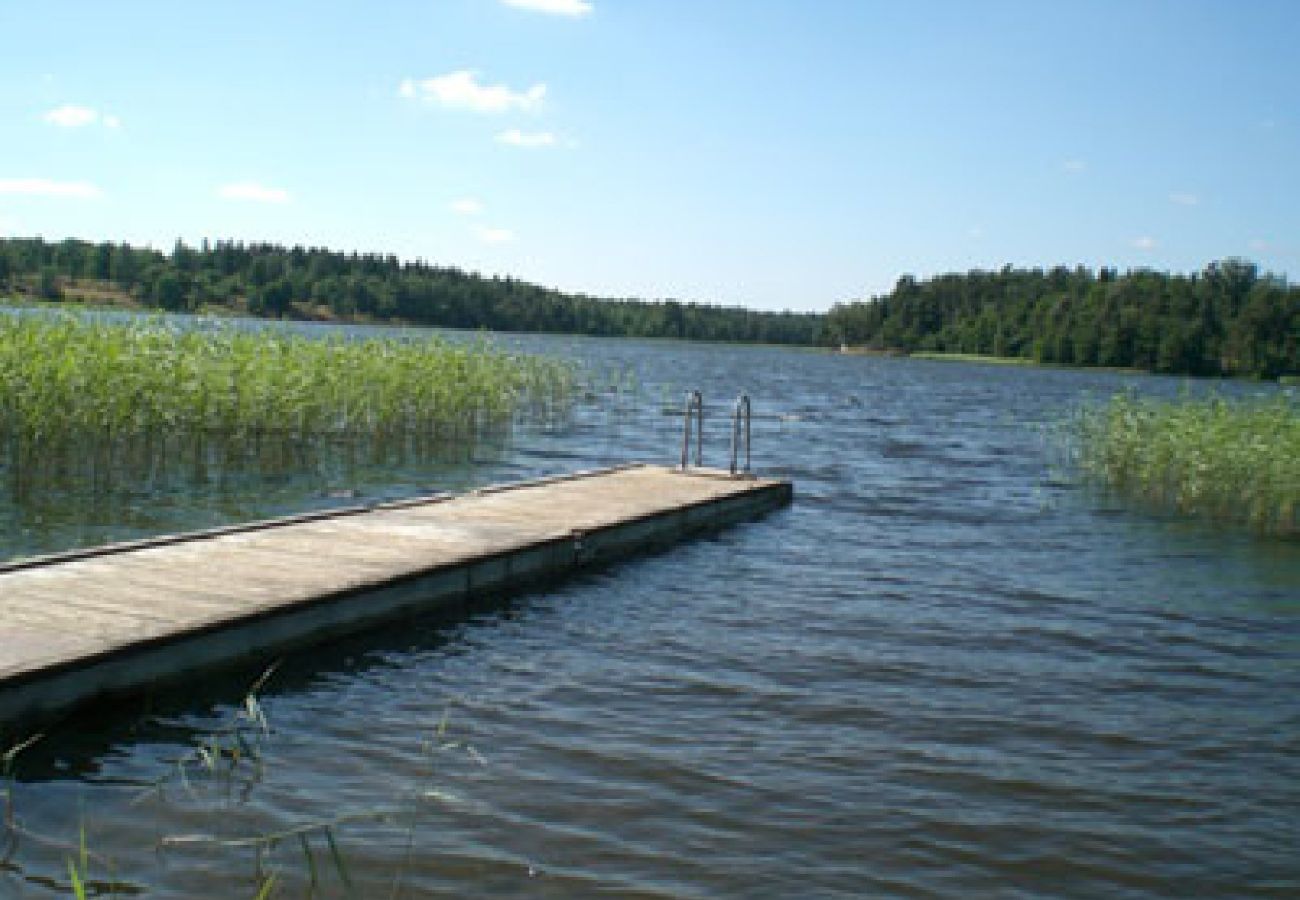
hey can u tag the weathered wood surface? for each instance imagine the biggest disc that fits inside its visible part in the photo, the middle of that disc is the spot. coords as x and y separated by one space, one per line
78 625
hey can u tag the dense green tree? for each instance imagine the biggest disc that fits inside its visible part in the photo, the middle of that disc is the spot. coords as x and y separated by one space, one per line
124 267
167 291
273 299
183 258
1228 319
47 285
101 265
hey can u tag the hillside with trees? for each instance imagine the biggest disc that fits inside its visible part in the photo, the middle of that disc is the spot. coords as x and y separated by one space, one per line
1227 320
272 281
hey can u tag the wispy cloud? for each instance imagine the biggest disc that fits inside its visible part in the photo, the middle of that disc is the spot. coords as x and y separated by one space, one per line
467 206
46 187
1145 242
1184 199
1074 166
253 192
491 235
529 139
573 8
975 232
73 116
462 90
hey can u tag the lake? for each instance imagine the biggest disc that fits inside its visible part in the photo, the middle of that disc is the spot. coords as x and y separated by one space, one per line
946 671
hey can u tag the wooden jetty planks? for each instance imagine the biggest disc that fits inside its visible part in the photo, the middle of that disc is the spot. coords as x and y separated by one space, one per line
118 618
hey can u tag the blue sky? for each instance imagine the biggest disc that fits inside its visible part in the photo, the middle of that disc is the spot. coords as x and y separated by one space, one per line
756 152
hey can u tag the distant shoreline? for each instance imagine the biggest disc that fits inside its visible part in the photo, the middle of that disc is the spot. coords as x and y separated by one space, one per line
1230 320
1033 363
130 305
1024 362
97 300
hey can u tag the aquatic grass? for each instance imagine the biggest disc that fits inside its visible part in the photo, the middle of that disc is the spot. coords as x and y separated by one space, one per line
113 400
234 753
232 756
77 857
1232 461
79 869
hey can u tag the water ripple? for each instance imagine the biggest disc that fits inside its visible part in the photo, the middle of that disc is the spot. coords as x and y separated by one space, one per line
944 673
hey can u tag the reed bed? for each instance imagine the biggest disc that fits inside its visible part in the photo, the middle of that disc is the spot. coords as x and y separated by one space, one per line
115 401
1233 461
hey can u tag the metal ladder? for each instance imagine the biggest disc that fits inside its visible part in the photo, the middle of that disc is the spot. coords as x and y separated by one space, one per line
694 403
693 420
741 414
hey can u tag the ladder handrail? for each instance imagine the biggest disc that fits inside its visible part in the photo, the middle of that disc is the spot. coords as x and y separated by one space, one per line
695 403
743 410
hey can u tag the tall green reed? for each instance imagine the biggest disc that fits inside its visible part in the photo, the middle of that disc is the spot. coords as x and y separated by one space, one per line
1232 461
111 401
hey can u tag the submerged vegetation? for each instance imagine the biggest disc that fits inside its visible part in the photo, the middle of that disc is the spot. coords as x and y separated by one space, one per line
215 779
1230 461
113 401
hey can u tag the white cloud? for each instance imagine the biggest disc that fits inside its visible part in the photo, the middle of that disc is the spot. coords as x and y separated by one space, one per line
10 227
462 90
1184 199
467 206
1145 242
45 187
532 140
252 191
492 235
975 232
573 8
72 116
1074 166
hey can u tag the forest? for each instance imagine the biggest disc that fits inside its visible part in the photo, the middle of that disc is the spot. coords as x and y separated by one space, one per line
1226 320
1229 319
272 281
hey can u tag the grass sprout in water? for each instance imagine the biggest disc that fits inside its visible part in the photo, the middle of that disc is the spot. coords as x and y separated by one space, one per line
309 854
14 834
107 404
219 773
1229 461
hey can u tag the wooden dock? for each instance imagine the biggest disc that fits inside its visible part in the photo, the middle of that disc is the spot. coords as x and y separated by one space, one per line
78 626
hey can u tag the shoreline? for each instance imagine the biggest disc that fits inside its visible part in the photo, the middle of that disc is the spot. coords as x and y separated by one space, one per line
940 356
96 300
22 301
1024 362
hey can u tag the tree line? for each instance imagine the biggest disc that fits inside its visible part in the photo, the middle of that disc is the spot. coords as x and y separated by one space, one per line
274 281
1226 320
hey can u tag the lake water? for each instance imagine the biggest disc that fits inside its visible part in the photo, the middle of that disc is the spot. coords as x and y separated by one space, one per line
945 671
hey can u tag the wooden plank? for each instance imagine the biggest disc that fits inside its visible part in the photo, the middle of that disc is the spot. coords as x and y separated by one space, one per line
120 618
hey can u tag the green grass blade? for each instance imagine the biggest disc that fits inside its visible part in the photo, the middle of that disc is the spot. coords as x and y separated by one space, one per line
78 887
339 863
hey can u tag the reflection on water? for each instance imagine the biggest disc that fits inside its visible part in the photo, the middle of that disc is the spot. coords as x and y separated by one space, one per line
944 671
